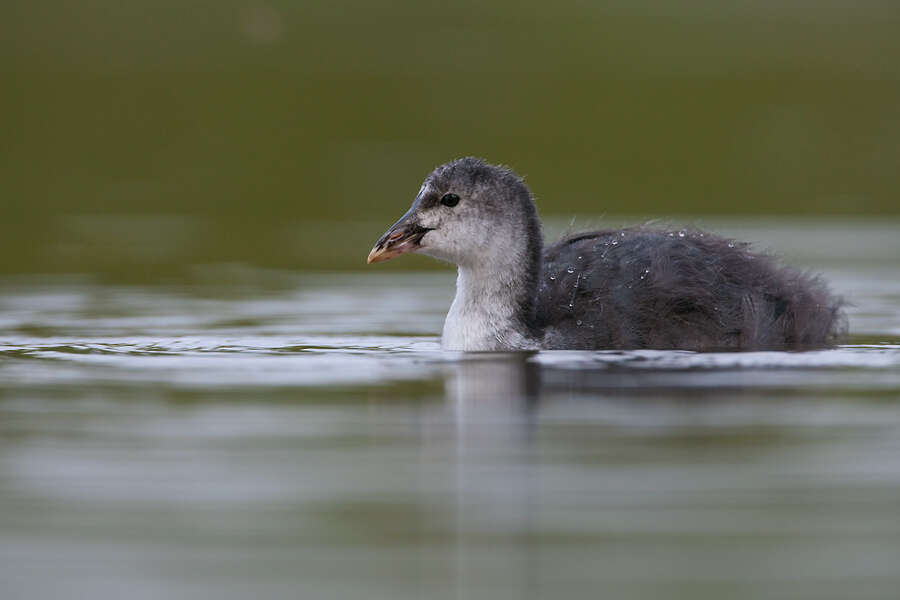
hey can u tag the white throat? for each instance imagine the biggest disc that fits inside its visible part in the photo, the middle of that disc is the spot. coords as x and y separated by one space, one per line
483 314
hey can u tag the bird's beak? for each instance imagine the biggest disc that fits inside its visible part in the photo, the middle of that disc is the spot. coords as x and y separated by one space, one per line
404 236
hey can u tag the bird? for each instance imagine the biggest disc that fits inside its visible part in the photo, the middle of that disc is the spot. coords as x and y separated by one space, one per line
639 287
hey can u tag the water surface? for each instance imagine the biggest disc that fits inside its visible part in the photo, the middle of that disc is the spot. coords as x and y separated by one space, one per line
258 433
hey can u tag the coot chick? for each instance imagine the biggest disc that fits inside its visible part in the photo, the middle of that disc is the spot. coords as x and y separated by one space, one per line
613 289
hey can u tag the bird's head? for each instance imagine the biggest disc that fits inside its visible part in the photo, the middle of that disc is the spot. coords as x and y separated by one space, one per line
467 212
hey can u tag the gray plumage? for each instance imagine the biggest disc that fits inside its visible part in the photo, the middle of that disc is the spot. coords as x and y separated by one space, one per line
613 289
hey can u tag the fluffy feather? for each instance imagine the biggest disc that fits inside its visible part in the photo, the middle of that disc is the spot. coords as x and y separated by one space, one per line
612 289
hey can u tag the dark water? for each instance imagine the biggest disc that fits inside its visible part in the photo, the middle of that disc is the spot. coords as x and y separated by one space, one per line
290 111
258 433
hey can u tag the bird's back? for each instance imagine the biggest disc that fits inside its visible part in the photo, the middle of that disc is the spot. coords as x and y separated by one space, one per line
647 288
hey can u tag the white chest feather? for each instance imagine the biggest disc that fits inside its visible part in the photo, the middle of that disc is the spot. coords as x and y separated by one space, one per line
467 330
482 318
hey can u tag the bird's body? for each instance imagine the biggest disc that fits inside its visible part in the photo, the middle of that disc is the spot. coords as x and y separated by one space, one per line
686 289
611 289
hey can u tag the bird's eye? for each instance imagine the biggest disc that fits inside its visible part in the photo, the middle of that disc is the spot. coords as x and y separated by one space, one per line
450 200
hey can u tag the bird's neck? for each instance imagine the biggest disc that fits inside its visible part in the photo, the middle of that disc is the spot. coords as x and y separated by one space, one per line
494 307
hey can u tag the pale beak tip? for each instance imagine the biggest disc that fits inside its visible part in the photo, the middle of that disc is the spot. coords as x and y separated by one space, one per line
373 255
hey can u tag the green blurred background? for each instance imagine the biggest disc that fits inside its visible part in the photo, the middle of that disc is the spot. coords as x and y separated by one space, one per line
138 137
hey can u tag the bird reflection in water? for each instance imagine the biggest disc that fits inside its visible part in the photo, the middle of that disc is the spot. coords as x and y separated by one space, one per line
493 398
